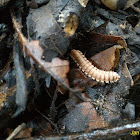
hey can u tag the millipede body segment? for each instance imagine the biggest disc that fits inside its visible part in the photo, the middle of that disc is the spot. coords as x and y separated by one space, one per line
91 71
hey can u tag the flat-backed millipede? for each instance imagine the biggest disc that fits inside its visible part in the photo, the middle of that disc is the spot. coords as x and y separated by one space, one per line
91 71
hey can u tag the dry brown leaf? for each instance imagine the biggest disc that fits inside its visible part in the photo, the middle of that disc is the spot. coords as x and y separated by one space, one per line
107 59
126 72
83 117
43 128
57 68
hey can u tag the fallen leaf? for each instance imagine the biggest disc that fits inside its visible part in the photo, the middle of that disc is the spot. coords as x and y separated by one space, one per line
107 59
104 40
126 72
43 128
83 117
57 68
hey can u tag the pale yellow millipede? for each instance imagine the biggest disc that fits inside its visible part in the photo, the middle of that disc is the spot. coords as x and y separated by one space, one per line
91 71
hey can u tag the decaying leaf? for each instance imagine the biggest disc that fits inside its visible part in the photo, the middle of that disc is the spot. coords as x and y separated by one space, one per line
57 68
97 107
111 108
47 22
43 128
104 40
21 91
83 117
93 42
126 72
107 59
137 28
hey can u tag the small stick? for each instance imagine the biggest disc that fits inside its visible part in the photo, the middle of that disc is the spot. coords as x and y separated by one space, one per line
47 119
52 113
113 133
16 131
135 8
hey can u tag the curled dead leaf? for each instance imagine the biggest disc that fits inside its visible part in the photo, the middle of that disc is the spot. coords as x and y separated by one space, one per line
107 59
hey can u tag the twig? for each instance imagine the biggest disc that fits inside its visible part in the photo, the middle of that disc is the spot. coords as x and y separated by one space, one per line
52 113
47 119
99 134
35 78
16 131
135 8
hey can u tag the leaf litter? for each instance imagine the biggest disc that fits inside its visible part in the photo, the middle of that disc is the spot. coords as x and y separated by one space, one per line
79 103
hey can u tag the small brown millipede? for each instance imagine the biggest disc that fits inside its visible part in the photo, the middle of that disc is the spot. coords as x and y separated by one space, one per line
92 71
